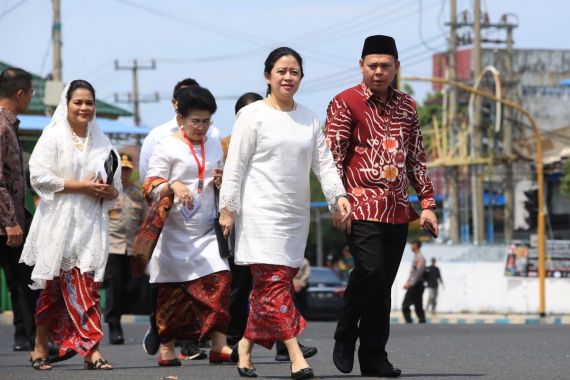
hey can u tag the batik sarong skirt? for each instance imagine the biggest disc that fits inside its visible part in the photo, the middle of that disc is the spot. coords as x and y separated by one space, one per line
193 310
69 305
272 313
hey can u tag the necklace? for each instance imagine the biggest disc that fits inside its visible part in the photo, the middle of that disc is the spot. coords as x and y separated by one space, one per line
77 141
279 108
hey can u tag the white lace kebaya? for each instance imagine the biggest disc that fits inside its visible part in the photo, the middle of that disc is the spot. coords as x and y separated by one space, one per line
69 229
266 182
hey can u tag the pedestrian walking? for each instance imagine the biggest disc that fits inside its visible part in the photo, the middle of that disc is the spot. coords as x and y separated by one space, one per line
71 169
433 279
415 286
376 141
241 276
274 145
193 279
16 91
151 341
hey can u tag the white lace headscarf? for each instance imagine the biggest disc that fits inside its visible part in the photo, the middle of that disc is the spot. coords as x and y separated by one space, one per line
60 122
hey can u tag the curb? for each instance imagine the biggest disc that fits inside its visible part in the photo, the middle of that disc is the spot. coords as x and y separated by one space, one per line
489 320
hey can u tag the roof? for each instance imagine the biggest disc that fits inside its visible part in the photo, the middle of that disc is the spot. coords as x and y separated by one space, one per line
31 123
37 106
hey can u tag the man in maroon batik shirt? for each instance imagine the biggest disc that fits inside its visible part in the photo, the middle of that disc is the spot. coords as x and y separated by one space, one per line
373 132
16 91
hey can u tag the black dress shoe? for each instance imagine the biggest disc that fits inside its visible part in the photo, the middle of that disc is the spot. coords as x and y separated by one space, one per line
383 370
305 373
21 343
116 333
343 355
151 342
247 372
282 355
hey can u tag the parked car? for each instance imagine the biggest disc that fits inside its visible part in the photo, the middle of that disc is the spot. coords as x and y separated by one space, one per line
325 294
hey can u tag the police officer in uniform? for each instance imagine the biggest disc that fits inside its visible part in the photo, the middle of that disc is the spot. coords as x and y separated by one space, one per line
125 217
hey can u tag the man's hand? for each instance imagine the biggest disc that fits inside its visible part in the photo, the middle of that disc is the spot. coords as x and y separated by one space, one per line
342 219
407 285
428 214
14 236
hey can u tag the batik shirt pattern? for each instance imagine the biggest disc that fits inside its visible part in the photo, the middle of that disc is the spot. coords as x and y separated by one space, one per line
379 152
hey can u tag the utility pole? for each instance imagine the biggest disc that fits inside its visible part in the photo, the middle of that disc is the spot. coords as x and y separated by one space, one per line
476 139
452 173
56 40
134 97
508 212
477 183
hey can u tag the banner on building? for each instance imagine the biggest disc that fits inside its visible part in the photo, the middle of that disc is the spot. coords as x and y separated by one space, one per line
522 259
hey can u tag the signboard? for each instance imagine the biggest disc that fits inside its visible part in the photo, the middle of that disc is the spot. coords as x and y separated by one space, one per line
522 259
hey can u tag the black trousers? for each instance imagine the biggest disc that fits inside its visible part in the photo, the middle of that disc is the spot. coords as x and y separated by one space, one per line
377 249
414 296
23 298
239 300
117 279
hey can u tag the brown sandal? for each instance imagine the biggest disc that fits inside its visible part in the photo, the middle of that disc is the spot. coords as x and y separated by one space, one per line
40 364
98 364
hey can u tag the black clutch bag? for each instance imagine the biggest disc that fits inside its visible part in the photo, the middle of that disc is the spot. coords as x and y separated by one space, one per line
226 246
111 165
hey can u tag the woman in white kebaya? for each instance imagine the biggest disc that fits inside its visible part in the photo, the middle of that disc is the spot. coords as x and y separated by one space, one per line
68 239
275 144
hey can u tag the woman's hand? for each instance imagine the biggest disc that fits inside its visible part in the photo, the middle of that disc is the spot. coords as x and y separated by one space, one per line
342 218
218 177
227 220
94 187
183 193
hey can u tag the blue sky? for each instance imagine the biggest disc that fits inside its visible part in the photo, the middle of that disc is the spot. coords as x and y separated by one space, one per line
223 44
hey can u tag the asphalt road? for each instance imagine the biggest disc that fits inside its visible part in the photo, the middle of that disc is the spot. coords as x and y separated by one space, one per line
422 352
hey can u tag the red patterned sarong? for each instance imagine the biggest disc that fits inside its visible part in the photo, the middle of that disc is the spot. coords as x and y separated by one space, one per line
272 313
70 306
193 310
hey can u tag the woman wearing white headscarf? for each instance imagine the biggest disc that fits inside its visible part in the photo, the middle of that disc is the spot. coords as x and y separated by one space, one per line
68 238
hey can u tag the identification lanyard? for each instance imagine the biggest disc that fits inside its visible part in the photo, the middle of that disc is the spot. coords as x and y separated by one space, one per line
202 166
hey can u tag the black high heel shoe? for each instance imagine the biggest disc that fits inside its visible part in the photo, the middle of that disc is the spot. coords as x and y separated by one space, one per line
305 373
247 372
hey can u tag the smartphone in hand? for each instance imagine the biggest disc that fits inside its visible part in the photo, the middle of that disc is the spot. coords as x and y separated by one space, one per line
430 228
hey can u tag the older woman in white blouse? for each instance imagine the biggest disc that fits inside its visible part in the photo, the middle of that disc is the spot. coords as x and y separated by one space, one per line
275 144
193 279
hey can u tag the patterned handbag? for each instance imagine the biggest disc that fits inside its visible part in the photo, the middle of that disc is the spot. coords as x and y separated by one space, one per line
154 221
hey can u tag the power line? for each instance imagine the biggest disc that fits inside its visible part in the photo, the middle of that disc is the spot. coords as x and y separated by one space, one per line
12 8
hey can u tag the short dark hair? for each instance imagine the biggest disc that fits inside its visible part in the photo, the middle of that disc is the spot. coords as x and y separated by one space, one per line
417 242
183 84
245 99
13 79
195 98
77 84
275 55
